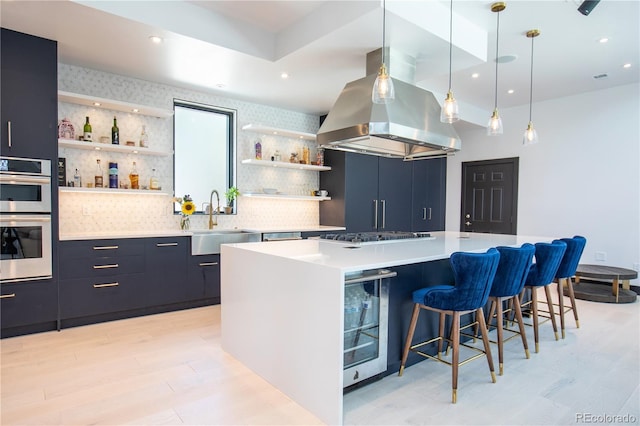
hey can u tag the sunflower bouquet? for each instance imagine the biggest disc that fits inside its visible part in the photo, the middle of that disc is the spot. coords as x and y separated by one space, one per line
187 207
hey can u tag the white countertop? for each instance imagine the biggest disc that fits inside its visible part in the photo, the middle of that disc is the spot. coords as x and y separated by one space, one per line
180 233
386 254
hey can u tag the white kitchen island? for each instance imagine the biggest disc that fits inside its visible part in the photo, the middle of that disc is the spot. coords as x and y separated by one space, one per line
282 305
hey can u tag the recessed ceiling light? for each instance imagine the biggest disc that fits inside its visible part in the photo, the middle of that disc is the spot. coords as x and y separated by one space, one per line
475 75
603 40
510 91
220 85
626 66
155 39
135 110
284 75
97 104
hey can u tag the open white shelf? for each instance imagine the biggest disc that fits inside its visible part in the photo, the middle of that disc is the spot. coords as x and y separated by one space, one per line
111 191
286 165
284 196
95 102
258 128
96 146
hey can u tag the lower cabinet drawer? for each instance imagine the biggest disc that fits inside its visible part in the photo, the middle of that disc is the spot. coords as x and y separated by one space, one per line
88 267
28 303
99 295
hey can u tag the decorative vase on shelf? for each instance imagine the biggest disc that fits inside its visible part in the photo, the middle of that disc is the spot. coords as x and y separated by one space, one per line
66 130
185 224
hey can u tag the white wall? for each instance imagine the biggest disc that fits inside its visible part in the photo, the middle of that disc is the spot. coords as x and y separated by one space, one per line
581 178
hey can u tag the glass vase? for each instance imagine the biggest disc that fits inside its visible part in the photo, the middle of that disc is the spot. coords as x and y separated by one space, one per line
185 224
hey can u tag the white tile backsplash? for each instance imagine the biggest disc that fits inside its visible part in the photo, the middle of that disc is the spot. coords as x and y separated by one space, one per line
121 213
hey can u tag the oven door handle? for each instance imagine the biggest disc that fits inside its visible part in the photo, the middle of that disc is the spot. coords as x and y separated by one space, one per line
39 180
25 218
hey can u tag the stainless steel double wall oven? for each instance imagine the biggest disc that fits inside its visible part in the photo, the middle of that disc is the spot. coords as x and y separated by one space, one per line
25 219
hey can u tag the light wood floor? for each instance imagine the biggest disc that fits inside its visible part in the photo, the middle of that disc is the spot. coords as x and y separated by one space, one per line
170 369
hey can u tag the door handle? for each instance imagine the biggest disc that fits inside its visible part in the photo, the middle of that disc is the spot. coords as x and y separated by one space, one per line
375 214
384 213
467 216
9 133
429 214
467 223
424 213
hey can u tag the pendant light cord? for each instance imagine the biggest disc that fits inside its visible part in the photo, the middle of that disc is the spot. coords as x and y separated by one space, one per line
384 25
450 39
531 82
497 41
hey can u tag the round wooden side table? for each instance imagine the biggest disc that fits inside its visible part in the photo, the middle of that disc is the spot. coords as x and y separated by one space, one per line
613 274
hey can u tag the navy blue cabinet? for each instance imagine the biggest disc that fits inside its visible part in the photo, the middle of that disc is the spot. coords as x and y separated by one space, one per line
101 276
29 98
166 266
428 195
204 277
102 280
368 193
28 128
28 303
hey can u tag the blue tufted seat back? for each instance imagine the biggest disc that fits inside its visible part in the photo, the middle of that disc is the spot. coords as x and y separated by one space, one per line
571 258
548 257
473 274
512 271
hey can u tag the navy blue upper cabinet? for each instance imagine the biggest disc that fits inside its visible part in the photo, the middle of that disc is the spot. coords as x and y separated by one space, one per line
428 198
368 193
29 104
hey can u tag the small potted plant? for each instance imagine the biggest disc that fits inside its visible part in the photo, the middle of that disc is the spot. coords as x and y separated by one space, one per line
231 194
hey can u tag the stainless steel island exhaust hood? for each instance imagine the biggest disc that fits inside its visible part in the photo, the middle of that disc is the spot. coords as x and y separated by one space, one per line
409 127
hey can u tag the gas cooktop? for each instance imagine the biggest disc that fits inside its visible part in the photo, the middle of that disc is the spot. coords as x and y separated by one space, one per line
375 237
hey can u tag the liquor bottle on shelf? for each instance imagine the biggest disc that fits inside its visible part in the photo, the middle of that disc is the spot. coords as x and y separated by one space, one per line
134 177
88 134
97 180
153 182
115 132
113 175
77 182
144 139
258 147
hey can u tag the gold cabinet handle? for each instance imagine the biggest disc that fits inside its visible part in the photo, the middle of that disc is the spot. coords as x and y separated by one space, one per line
8 296
106 285
114 265
208 264
166 244
105 247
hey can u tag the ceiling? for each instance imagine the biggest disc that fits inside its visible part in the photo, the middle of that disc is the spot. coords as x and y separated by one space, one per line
240 48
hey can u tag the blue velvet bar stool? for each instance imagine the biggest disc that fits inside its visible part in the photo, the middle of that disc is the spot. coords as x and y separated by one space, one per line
564 276
541 274
473 274
508 283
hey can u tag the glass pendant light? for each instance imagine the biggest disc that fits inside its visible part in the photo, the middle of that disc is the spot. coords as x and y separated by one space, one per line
494 127
449 112
530 135
383 90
